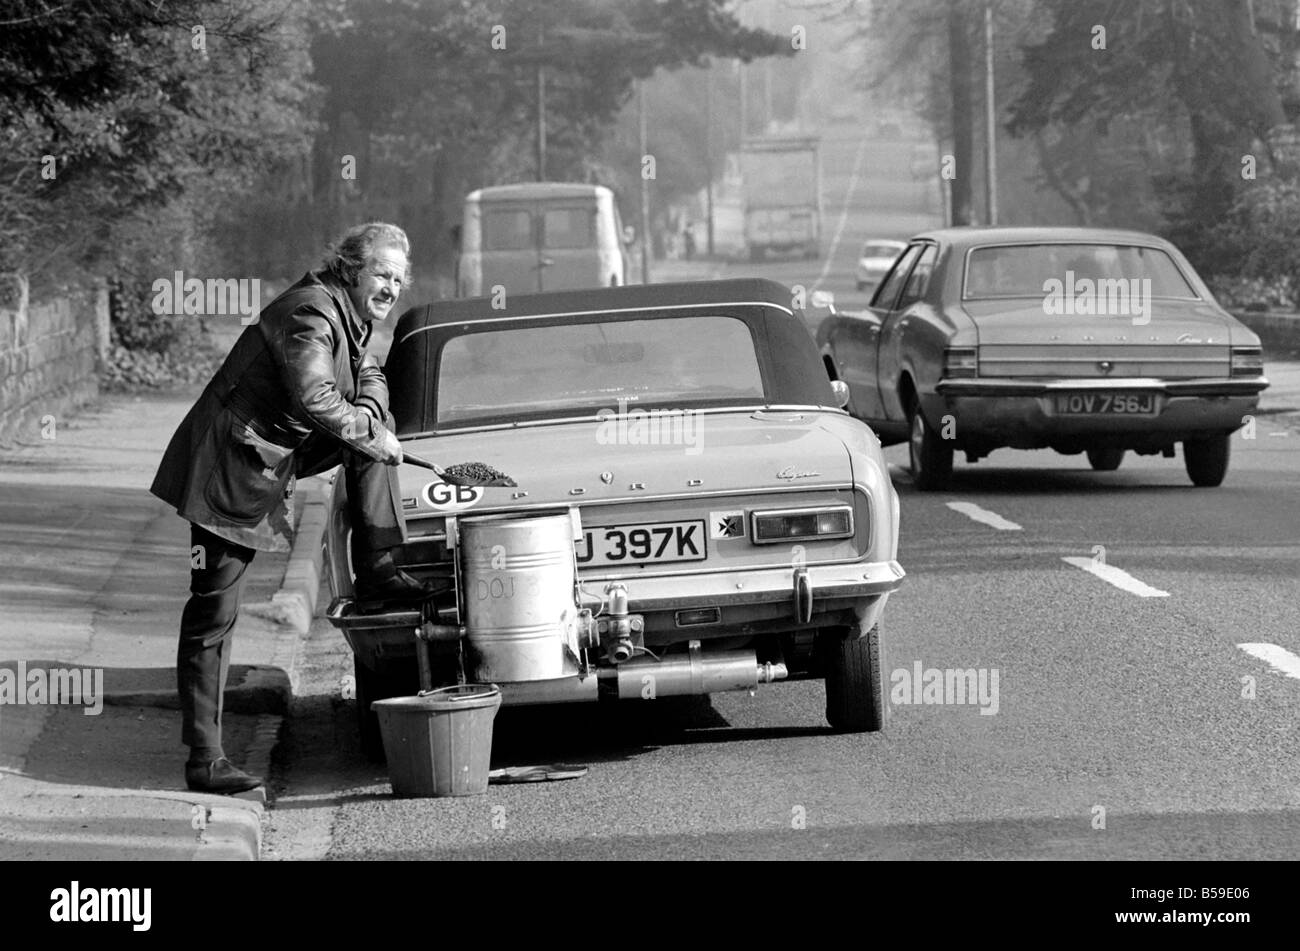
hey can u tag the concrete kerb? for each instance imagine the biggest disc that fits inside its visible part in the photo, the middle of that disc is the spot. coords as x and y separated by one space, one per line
233 826
294 604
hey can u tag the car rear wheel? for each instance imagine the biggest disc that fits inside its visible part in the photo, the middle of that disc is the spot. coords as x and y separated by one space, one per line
855 686
1105 460
931 455
1206 459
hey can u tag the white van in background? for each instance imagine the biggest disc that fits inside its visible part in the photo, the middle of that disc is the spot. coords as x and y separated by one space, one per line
541 236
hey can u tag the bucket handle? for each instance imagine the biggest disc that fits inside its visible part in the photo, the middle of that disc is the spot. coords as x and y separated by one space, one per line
454 698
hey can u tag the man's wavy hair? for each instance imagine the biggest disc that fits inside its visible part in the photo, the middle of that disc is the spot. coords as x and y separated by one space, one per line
353 251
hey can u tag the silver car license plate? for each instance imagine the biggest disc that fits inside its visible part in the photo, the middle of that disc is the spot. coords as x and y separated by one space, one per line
1104 404
648 542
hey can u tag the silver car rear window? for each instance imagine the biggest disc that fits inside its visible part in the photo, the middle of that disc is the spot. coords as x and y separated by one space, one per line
1035 270
572 369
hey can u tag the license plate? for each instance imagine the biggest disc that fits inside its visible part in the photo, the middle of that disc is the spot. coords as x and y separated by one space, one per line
651 542
1104 404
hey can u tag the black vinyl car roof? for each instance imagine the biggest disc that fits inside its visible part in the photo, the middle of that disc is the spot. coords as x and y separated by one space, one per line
594 300
792 369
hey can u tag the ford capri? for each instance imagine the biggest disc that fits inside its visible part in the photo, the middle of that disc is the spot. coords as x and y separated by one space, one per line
692 508
1080 340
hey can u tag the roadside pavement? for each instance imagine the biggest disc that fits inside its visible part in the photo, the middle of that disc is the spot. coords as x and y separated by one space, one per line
94 572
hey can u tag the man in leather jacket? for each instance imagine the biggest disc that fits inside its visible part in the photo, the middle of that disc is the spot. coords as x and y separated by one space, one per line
296 396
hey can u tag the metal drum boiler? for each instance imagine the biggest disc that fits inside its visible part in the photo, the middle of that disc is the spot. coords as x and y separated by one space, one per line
520 611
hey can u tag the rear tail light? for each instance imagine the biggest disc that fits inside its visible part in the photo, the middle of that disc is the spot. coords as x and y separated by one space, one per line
960 362
1247 361
790 525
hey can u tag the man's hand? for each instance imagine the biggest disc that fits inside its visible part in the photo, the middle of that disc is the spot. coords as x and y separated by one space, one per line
391 449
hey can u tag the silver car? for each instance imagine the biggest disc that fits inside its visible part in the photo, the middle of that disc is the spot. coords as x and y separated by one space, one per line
695 511
876 259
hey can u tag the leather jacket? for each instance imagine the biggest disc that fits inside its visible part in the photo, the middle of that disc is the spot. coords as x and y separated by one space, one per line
297 376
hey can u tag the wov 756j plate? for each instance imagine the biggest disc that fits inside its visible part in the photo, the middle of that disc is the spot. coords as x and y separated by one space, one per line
641 543
1100 403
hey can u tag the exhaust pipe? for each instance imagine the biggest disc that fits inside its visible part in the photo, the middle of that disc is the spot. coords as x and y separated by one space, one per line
645 679
693 675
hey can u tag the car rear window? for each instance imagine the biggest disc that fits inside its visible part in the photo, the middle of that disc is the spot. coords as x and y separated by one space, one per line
1028 270
881 251
507 229
543 371
569 228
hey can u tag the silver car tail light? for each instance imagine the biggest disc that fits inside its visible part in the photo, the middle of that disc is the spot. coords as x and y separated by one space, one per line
1247 361
960 362
789 525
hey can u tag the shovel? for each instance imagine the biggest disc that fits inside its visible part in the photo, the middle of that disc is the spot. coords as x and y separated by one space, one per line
459 478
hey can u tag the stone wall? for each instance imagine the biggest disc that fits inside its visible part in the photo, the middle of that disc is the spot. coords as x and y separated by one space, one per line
48 355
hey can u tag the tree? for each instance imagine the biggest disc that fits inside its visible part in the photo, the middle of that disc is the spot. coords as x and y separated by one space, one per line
423 101
1201 65
110 111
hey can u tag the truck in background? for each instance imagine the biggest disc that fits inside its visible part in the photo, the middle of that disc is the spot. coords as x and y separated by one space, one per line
782 187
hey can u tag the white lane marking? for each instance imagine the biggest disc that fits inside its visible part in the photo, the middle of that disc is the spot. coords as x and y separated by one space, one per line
1281 660
1119 578
844 214
984 516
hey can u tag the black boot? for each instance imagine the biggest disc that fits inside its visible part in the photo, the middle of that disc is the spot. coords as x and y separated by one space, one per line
219 776
379 580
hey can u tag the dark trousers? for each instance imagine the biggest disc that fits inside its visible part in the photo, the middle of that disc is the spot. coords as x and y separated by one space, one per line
208 621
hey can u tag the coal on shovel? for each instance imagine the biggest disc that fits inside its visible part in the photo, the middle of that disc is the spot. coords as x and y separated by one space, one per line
463 473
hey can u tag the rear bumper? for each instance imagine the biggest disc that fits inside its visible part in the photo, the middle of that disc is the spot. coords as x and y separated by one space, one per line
767 586
1012 411
792 596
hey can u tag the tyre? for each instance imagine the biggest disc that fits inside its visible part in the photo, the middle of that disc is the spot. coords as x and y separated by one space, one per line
1105 460
930 454
1206 459
855 685
375 685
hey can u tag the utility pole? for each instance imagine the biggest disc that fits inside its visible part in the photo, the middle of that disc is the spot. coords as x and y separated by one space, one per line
963 131
767 75
708 152
744 100
645 186
990 121
541 122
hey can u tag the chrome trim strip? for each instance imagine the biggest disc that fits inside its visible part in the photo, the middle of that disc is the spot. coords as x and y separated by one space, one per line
653 308
748 410
1119 358
1218 386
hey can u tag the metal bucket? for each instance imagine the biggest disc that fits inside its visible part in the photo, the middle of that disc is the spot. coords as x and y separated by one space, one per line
439 743
519 575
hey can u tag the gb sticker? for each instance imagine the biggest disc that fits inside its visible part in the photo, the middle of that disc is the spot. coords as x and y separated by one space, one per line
444 497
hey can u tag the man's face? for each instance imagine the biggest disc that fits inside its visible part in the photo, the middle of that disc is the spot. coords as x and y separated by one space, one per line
379 284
